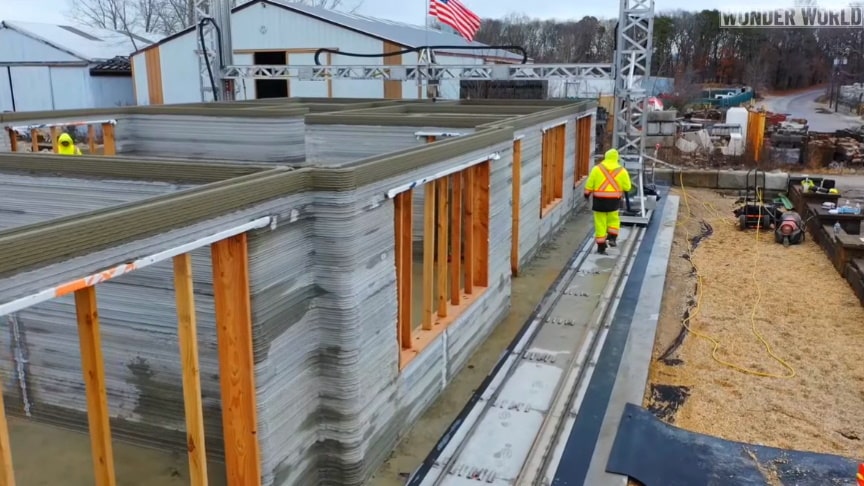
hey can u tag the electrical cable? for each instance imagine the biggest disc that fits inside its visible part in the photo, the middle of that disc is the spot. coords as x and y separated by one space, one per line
201 24
520 49
700 283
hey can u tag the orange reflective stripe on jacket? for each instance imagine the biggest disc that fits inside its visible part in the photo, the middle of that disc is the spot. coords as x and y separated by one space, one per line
609 188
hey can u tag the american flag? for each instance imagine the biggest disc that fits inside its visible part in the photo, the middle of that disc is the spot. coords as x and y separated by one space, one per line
456 15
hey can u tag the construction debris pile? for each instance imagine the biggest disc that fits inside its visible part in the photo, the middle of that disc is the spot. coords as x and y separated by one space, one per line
844 148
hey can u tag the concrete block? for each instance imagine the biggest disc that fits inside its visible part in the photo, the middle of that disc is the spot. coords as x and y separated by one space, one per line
668 128
776 181
731 179
661 116
663 176
737 179
696 178
653 128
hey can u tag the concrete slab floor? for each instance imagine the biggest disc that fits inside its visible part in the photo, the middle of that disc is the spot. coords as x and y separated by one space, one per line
44 455
528 289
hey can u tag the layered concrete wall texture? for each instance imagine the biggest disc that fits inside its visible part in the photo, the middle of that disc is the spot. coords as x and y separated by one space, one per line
332 402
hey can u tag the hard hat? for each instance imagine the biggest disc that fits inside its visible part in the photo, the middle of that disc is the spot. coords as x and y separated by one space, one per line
833 190
612 154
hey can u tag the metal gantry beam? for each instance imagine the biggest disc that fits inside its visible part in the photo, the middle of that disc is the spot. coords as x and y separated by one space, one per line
494 72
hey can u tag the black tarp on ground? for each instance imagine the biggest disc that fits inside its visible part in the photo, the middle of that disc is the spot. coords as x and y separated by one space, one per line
658 454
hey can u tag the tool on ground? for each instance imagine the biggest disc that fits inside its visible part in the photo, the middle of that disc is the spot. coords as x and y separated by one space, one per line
790 229
753 211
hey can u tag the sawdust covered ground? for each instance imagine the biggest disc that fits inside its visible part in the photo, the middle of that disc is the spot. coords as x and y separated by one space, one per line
807 315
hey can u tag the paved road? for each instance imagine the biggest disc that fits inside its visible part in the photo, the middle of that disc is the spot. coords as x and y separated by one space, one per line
804 105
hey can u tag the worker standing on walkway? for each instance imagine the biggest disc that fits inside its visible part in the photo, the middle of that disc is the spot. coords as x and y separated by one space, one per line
607 182
65 145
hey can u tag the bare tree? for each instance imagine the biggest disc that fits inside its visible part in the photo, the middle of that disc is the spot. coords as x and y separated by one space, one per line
163 16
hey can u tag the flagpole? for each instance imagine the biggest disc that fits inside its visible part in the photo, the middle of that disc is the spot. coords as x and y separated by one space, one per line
428 55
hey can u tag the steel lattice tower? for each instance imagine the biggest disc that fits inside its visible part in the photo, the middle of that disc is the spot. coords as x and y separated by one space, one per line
632 65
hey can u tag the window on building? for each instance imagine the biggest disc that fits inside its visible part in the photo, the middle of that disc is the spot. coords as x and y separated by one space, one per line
583 149
552 169
442 254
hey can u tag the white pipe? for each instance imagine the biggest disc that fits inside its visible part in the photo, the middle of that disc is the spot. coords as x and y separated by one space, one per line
61 124
124 268
450 170
437 134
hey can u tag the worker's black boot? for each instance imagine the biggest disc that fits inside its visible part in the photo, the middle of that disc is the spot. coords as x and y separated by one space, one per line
612 241
601 248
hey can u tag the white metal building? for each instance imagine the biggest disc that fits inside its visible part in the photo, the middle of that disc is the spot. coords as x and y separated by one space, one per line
271 32
58 67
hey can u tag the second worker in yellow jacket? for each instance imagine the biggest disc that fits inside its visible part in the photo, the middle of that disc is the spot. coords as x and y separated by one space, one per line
607 182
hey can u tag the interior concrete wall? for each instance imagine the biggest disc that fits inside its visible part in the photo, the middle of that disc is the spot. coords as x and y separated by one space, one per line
276 139
332 145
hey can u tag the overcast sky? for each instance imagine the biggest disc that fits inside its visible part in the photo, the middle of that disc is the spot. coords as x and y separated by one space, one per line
413 11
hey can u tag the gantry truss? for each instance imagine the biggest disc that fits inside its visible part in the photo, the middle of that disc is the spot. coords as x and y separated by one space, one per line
492 72
632 67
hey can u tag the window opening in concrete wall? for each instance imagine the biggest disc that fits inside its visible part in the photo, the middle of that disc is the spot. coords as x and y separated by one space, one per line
552 169
517 206
270 88
442 254
583 149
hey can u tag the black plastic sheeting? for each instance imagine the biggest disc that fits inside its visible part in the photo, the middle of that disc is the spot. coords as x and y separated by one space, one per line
658 454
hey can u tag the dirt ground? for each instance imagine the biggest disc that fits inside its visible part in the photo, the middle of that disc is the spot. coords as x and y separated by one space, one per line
528 289
773 351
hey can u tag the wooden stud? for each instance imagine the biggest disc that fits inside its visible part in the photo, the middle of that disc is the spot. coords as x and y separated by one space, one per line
456 239
34 140
55 144
187 336
7 474
93 368
236 362
544 161
13 140
470 230
428 255
560 138
517 206
404 266
481 224
109 147
441 240
91 138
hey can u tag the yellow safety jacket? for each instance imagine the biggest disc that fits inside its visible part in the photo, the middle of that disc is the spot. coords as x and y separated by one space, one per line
607 182
70 148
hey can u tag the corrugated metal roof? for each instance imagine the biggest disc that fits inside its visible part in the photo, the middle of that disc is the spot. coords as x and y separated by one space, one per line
88 43
397 32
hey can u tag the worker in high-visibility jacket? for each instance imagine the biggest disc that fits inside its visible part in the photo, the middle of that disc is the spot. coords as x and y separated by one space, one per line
607 182
66 146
